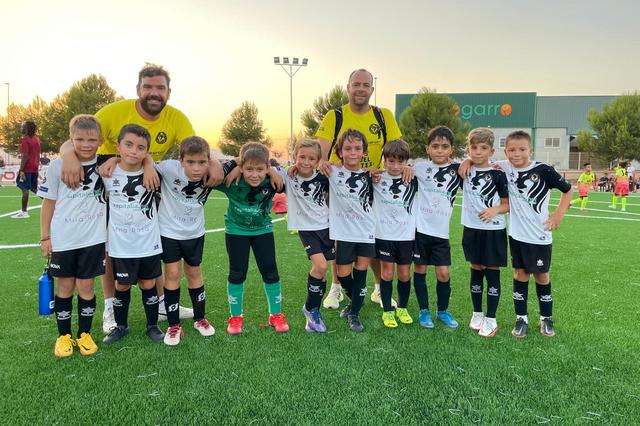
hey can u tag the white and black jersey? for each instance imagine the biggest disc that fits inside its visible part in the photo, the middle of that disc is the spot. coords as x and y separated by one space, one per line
529 193
393 202
79 218
437 188
307 202
351 206
482 189
181 211
133 229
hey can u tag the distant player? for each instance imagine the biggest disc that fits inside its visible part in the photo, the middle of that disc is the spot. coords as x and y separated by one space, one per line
73 232
586 181
622 186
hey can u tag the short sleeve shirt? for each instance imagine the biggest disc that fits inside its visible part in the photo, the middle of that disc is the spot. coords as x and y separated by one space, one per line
482 189
171 127
393 204
133 229
30 146
437 189
366 124
351 206
181 210
529 192
79 218
307 202
249 208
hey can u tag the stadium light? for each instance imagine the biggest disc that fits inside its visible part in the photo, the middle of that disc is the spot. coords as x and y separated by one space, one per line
289 69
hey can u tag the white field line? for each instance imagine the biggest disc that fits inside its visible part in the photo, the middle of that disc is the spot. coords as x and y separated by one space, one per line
14 212
19 246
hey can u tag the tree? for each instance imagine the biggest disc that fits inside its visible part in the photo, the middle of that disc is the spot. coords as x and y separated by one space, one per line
311 118
617 128
243 126
86 96
427 110
10 134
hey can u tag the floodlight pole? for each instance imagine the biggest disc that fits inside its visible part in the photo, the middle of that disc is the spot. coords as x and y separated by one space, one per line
375 91
292 70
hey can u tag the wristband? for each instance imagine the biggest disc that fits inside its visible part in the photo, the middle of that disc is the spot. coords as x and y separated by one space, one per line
45 239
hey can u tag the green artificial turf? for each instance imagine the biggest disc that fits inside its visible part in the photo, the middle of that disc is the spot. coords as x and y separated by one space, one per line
588 373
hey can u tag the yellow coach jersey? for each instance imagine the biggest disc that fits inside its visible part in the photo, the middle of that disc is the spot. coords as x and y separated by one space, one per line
171 127
368 125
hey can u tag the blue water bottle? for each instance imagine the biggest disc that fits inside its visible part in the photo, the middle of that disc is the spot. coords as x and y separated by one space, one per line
45 292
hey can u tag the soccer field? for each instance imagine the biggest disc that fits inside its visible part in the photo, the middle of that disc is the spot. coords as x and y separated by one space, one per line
588 373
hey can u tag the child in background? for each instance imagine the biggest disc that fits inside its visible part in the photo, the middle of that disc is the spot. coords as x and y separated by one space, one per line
438 182
393 203
484 238
622 186
351 222
586 181
73 232
307 195
248 227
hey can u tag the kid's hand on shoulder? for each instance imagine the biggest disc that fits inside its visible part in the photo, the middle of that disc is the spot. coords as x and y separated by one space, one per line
233 177
376 175
407 174
292 170
150 179
214 175
277 182
71 172
465 168
325 167
106 169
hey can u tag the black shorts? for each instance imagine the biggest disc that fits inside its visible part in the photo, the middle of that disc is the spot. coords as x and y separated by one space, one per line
532 258
399 252
130 270
429 250
30 182
486 247
189 250
315 242
347 252
82 263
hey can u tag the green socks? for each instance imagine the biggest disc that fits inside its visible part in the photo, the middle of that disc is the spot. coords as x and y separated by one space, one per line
623 202
615 201
235 292
583 205
274 297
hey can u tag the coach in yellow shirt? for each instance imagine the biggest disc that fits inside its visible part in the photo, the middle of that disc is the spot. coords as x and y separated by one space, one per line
361 116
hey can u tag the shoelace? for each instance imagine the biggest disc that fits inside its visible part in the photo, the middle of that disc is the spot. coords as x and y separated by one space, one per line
278 319
173 331
315 315
203 323
235 321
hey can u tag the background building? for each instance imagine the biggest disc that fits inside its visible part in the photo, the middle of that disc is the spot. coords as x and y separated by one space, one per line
552 121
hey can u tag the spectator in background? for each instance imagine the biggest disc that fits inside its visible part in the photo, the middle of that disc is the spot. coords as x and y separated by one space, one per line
27 179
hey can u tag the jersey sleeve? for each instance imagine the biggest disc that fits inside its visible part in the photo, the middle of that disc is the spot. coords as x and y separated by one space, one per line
228 166
554 180
500 179
327 128
393 131
459 181
48 189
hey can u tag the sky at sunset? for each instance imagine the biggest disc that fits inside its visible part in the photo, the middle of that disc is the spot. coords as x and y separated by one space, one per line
220 53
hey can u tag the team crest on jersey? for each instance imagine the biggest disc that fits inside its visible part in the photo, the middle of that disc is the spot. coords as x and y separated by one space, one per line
374 129
148 198
533 188
360 183
482 183
161 138
407 192
449 179
317 188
